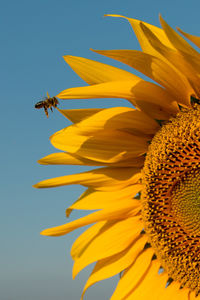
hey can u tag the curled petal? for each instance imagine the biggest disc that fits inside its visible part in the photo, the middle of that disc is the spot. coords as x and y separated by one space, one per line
64 158
92 199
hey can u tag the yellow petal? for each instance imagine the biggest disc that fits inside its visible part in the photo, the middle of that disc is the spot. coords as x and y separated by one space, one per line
104 179
64 158
156 69
133 275
94 72
143 40
105 146
122 118
152 99
106 214
77 115
126 119
193 38
91 199
151 286
113 265
112 239
82 242
177 41
111 89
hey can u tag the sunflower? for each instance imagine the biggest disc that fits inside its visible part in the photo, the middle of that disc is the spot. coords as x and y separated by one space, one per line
145 196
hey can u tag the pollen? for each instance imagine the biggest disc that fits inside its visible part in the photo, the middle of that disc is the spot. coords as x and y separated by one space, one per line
171 197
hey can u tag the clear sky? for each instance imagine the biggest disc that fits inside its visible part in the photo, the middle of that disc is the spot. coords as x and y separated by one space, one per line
34 37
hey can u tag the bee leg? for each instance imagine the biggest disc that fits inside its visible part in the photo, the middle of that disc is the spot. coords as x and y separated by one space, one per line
46 111
51 109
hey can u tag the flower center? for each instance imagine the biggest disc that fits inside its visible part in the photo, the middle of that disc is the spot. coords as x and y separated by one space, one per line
185 202
171 197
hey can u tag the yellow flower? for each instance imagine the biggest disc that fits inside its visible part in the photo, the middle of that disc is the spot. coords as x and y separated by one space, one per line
146 196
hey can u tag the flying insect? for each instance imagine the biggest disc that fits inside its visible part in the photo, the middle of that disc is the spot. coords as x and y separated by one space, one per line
48 102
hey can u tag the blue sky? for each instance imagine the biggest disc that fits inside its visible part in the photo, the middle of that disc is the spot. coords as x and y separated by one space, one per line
34 37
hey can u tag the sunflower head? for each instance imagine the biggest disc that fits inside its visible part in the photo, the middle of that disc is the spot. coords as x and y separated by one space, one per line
145 196
171 199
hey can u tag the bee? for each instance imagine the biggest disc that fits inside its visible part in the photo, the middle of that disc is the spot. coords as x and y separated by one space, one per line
47 103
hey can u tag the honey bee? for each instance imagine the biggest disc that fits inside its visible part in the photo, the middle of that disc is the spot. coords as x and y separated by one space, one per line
47 103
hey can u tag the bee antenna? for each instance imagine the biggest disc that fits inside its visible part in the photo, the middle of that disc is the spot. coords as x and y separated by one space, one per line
48 95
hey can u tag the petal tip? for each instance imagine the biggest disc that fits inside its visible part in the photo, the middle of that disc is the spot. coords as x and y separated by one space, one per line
180 30
41 162
35 186
38 185
113 15
68 57
49 232
160 17
44 232
74 274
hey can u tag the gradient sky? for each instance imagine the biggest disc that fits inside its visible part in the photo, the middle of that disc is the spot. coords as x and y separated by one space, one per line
34 37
